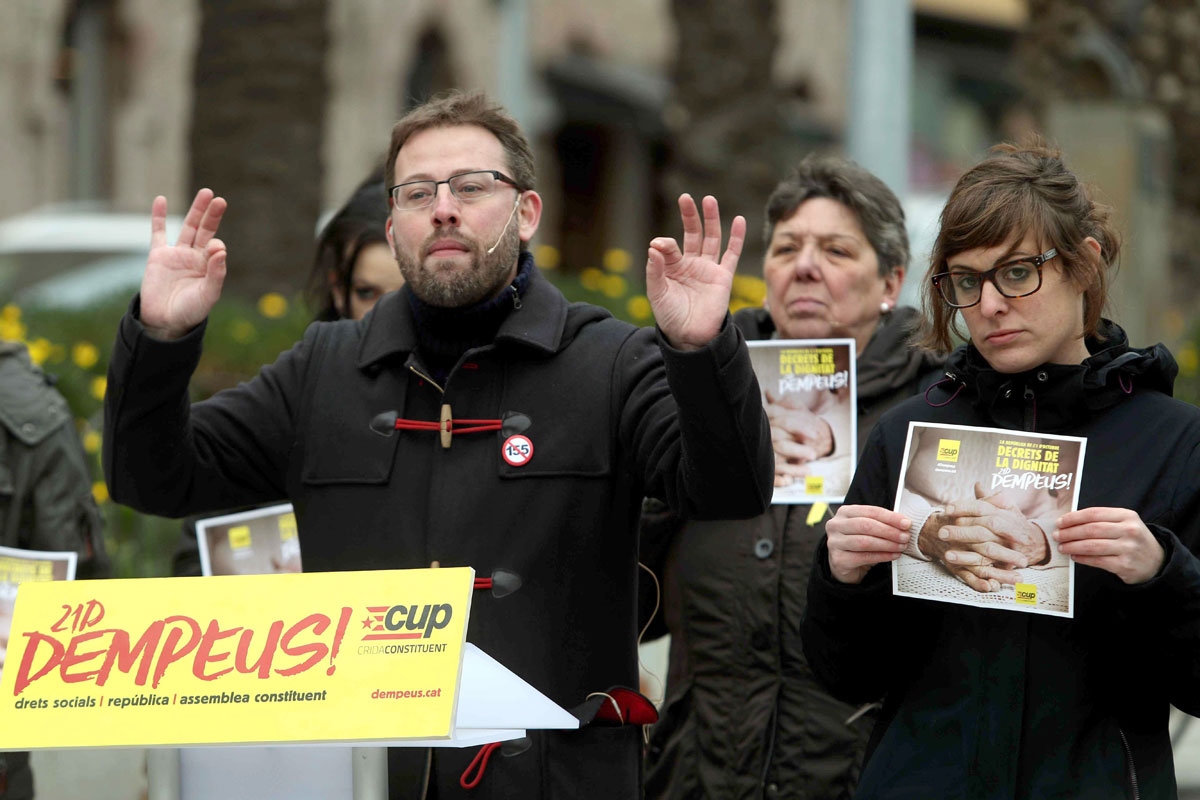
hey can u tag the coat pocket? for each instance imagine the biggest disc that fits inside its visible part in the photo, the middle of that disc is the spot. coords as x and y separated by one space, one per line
567 433
340 446
553 450
594 761
563 407
344 455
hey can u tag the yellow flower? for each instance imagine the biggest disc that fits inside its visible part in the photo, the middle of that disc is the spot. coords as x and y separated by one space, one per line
39 350
99 387
639 307
547 256
749 288
10 313
272 305
100 491
614 286
242 331
11 329
592 279
617 260
85 354
1189 360
91 441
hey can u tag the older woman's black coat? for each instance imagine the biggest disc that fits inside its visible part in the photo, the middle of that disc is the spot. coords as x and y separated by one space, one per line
984 703
598 400
744 717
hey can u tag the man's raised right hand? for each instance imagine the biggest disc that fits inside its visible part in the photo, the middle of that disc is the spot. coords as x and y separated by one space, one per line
183 281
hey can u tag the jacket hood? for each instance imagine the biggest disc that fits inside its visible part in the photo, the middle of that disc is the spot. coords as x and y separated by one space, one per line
1054 396
887 363
889 360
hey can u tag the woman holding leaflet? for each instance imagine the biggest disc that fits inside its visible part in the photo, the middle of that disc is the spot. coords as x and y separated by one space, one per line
983 703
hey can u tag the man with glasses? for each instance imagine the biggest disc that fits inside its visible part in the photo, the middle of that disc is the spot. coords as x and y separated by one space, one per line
473 418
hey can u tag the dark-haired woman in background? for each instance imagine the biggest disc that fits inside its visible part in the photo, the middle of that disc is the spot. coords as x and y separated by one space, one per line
986 703
354 266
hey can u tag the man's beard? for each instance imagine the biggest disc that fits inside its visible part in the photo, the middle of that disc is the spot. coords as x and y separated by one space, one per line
486 276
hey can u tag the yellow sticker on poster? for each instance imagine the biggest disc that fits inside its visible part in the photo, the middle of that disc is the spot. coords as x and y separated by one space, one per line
321 657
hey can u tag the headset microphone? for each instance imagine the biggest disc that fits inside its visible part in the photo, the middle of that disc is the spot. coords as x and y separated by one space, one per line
506 224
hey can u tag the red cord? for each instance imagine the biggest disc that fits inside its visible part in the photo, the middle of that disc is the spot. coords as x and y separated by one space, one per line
479 425
416 425
480 760
476 429
483 583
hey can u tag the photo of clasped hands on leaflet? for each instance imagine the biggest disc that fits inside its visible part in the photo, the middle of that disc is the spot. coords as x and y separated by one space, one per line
808 390
261 541
984 503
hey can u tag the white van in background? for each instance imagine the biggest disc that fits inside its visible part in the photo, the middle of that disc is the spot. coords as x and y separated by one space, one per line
69 255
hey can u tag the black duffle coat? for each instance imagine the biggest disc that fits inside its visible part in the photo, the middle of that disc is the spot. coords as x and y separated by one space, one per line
612 415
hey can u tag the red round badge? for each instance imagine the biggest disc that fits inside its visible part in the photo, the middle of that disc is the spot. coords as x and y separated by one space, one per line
517 450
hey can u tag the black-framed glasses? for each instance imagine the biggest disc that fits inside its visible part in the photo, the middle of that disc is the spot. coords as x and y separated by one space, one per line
963 288
466 186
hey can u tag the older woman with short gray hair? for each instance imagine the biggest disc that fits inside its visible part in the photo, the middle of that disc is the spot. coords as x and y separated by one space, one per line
743 715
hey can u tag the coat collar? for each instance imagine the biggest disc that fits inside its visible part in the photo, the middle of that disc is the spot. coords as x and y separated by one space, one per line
539 323
1061 395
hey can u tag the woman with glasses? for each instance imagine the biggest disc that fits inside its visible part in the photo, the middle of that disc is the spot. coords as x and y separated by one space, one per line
981 702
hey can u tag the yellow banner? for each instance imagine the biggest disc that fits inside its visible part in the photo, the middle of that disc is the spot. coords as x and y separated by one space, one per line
322 657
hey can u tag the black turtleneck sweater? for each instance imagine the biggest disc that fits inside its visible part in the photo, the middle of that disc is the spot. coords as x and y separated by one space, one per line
444 334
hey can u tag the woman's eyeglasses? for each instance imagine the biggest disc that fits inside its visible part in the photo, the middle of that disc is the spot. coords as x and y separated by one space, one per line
963 288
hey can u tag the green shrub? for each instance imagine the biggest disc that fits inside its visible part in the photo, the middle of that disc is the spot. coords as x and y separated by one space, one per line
73 346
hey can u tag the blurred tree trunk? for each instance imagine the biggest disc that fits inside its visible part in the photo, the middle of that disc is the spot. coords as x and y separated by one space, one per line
260 100
727 133
1162 40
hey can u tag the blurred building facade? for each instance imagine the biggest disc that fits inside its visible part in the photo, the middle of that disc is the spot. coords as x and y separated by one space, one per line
1118 86
100 95
98 101
101 99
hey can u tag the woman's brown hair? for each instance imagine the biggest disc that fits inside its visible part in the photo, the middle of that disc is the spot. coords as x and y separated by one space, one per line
1016 192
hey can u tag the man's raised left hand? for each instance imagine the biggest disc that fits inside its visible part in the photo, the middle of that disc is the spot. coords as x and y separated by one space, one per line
689 290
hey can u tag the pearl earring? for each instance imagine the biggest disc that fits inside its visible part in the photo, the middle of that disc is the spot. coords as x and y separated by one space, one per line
884 307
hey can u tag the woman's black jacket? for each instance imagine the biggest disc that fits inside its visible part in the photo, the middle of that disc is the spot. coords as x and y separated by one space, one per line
983 703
